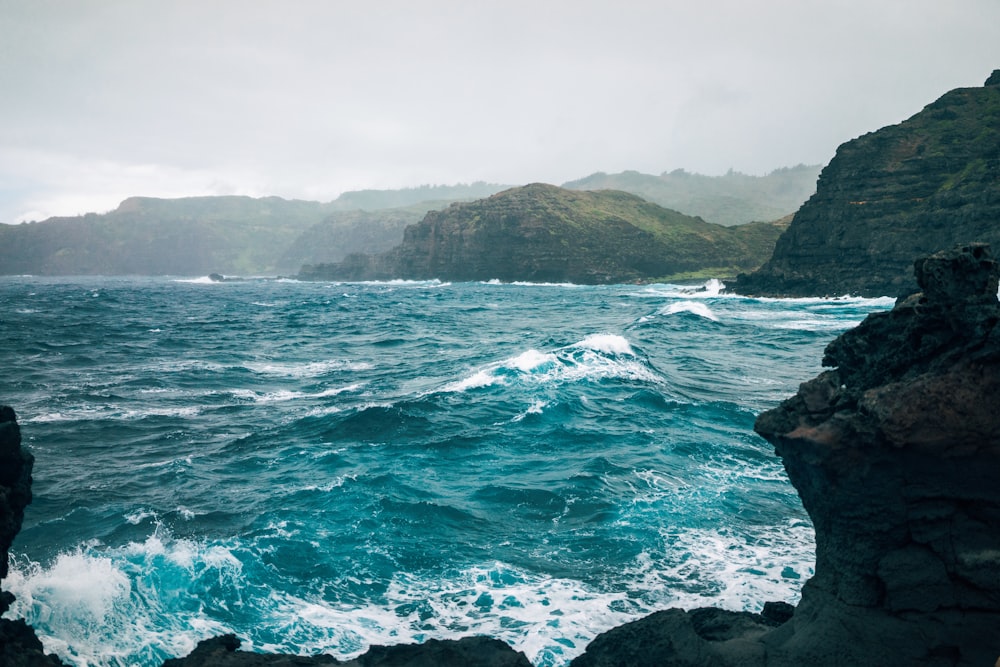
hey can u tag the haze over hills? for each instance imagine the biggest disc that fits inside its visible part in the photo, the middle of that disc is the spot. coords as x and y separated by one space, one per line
543 233
268 236
731 199
887 197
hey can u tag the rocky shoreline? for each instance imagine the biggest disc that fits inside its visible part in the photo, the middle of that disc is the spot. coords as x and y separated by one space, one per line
895 452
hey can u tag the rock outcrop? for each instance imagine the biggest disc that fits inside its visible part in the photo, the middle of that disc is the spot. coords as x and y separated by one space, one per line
18 644
542 233
895 453
905 191
466 652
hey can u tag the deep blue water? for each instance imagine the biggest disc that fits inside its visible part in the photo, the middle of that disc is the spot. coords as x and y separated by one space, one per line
319 467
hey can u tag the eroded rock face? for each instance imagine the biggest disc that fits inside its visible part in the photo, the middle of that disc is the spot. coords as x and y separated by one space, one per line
896 456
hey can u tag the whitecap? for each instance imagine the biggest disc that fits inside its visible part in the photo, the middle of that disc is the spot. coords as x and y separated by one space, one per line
595 357
536 408
137 517
711 288
201 280
532 360
306 369
607 343
693 307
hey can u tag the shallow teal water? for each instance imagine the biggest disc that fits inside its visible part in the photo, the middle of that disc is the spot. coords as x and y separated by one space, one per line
318 467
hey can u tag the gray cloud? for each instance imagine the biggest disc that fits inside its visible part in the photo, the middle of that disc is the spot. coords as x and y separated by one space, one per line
107 99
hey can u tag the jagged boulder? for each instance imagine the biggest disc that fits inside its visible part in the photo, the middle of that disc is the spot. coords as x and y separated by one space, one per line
901 192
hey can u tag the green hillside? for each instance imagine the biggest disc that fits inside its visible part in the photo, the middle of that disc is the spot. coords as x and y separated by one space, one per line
544 233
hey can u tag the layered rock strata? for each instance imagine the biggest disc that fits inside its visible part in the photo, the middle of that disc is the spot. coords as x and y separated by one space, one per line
895 453
901 192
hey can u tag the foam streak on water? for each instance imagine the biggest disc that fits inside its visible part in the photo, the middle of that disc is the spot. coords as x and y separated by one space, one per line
319 467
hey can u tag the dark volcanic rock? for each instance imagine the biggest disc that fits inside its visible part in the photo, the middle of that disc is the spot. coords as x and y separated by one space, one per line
465 652
18 644
907 190
896 456
15 484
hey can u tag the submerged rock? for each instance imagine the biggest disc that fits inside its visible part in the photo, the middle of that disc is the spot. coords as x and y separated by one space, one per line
896 456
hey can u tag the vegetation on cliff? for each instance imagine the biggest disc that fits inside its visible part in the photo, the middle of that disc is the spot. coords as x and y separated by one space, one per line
543 233
201 235
889 196
730 199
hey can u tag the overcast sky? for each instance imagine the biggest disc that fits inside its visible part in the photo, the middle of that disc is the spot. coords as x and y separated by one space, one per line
103 99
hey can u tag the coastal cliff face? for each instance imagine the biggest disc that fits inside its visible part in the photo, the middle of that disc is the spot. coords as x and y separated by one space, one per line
895 453
896 456
18 644
904 191
542 233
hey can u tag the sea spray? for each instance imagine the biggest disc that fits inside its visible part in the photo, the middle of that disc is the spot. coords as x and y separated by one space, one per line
320 467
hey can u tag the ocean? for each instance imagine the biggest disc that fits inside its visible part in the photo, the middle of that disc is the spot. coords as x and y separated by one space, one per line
319 467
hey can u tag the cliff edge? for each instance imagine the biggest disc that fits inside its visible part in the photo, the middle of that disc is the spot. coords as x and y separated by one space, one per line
901 192
895 453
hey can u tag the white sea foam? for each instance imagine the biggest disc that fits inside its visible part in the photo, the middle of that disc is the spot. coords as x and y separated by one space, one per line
595 357
306 369
873 302
201 280
113 412
550 619
693 307
532 360
719 567
146 600
283 395
607 343
536 408
711 288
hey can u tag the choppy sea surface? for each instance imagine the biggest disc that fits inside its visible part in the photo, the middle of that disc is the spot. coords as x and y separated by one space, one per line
318 467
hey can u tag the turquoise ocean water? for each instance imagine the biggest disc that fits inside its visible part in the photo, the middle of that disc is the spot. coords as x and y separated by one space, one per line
319 467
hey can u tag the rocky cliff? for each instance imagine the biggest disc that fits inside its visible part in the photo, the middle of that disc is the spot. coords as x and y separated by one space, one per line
904 191
542 233
18 644
895 453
